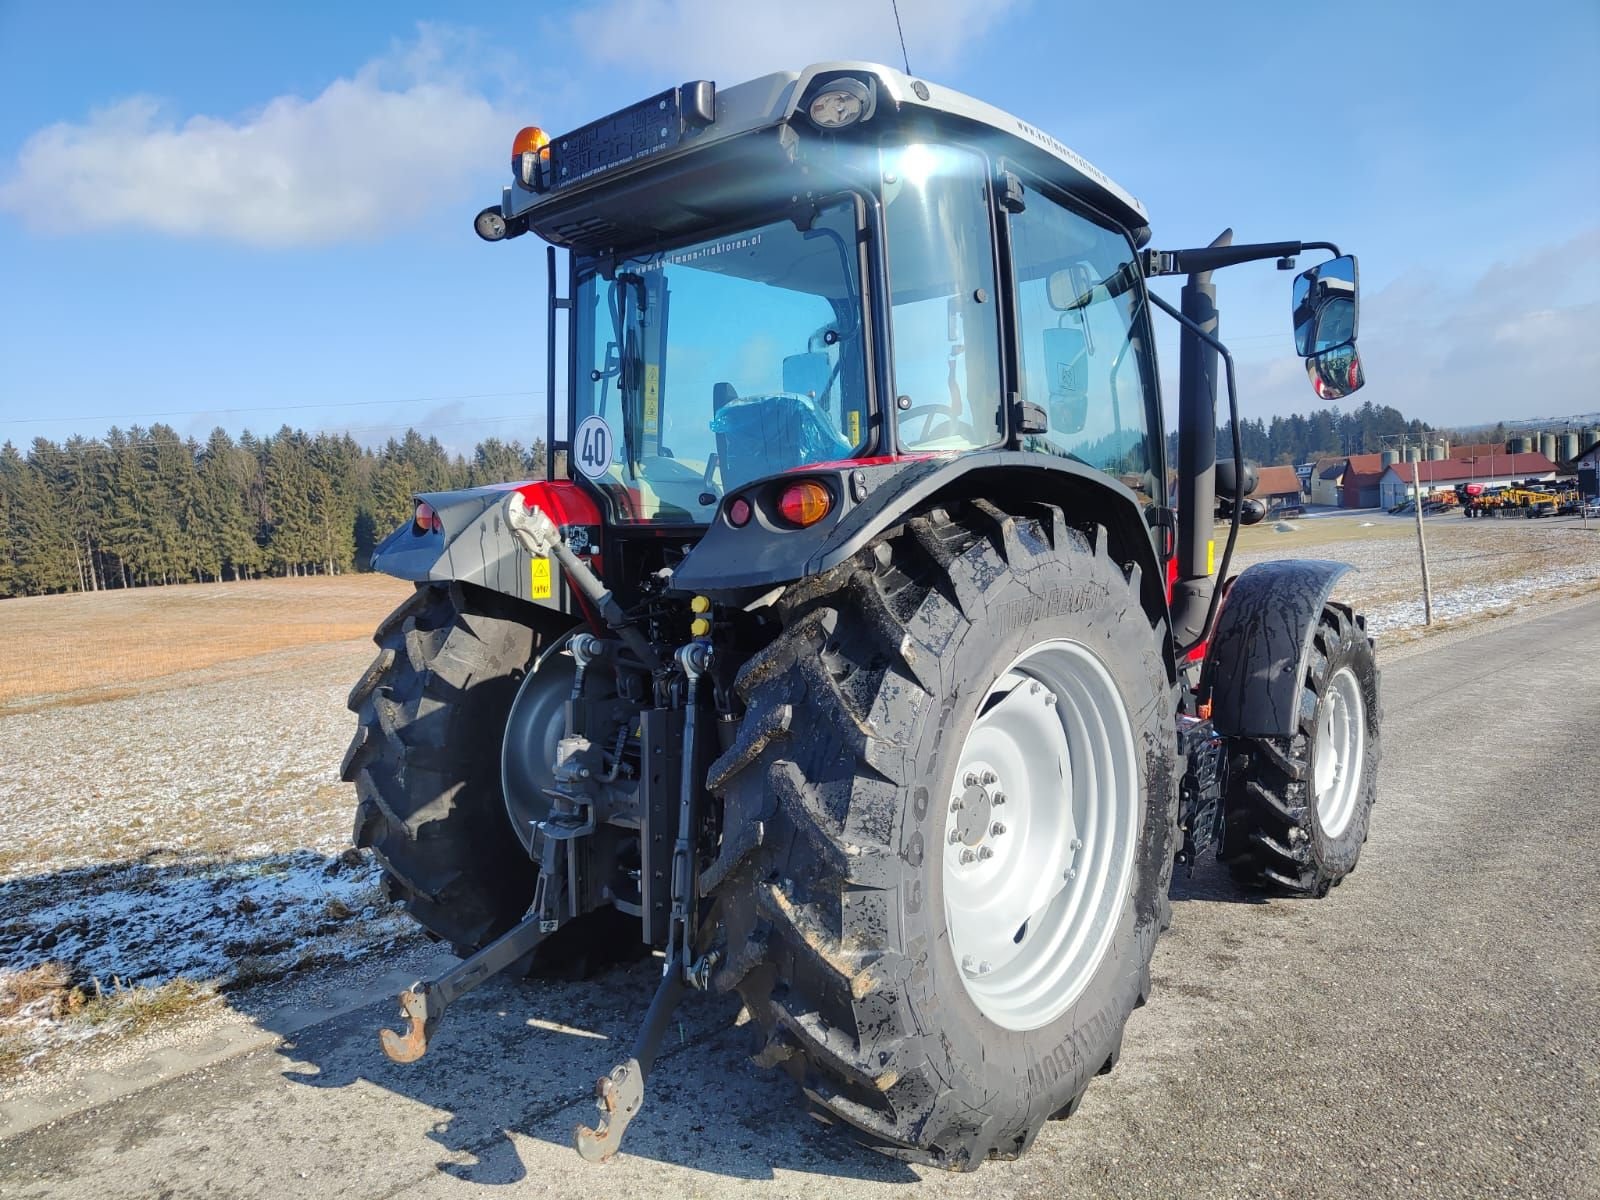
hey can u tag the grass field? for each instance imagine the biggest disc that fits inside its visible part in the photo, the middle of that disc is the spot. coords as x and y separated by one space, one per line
104 643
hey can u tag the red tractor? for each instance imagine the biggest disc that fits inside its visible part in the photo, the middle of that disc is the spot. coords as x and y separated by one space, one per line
855 656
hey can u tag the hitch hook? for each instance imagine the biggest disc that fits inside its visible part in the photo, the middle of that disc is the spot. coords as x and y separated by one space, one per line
423 1004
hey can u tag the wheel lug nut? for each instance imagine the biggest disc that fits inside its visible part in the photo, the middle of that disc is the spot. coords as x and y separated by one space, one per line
988 778
1070 875
971 780
984 968
1050 697
998 798
1033 689
1077 843
969 964
997 829
967 856
955 805
984 852
955 836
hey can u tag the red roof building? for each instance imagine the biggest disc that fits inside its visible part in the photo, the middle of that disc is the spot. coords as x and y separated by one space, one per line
1492 470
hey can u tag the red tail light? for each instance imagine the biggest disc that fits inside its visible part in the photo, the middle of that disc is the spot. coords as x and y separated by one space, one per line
427 520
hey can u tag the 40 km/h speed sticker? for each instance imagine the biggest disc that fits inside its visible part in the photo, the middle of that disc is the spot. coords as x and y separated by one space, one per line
592 446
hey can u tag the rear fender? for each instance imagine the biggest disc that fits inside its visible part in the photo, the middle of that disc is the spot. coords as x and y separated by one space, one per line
755 558
1259 647
474 544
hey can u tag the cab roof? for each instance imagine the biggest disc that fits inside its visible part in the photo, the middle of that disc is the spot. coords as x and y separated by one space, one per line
565 215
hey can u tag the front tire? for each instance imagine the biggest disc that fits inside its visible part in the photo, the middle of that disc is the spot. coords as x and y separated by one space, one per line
848 911
1296 810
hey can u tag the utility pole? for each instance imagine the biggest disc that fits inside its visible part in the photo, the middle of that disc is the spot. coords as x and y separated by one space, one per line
1422 545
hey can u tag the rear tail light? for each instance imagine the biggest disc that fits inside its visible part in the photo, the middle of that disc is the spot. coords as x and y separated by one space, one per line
426 520
804 503
739 512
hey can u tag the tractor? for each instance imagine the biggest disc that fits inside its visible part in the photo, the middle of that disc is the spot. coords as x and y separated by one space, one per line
861 653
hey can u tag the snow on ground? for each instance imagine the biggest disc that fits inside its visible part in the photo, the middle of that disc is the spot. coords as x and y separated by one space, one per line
178 843
1475 567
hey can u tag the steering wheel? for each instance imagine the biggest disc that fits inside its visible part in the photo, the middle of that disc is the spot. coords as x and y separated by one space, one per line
929 411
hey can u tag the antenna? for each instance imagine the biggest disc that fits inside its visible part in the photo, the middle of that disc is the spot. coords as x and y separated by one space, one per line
900 29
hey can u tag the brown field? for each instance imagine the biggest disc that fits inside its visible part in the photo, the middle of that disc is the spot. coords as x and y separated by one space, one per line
86 647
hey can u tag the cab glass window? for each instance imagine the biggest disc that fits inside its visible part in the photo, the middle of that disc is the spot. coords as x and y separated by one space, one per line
942 293
1084 341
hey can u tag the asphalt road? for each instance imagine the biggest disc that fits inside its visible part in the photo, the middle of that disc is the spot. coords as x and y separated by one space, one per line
1431 1029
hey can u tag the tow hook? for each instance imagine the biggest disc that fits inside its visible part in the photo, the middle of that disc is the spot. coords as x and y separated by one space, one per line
423 1004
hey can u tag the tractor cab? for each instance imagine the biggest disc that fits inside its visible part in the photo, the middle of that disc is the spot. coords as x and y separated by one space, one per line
836 264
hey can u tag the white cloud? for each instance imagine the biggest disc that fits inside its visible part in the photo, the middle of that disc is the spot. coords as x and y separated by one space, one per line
370 153
732 40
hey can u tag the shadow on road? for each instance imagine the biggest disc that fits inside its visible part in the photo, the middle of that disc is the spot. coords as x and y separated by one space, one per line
1211 881
517 1060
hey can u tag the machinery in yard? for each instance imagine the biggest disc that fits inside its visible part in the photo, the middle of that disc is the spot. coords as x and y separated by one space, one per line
858 656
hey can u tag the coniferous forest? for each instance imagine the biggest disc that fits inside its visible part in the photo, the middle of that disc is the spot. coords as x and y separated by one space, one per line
144 506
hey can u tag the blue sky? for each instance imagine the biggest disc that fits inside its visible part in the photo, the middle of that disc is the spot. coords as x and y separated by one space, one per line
251 215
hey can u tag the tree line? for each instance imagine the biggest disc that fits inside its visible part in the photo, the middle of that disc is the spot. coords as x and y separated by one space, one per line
143 506
1323 433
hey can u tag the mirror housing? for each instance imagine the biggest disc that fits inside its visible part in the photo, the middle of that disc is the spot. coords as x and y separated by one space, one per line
1326 306
1226 481
1336 373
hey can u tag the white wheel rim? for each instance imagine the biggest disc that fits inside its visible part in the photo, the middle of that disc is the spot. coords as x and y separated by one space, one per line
1039 841
1338 752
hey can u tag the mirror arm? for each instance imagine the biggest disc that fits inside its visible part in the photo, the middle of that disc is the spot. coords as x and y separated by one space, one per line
1213 258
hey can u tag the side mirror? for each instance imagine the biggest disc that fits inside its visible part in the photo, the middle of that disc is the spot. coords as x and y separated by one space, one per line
1326 301
806 374
1336 373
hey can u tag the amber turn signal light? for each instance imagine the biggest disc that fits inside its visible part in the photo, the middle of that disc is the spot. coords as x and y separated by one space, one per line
804 503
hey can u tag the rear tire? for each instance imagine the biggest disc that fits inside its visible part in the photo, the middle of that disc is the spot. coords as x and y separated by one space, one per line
844 773
1297 810
425 762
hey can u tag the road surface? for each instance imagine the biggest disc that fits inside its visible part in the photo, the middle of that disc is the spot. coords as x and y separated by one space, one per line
1431 1029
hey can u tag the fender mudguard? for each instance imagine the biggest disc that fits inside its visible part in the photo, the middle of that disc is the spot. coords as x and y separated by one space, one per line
1257 656
474 545
729 561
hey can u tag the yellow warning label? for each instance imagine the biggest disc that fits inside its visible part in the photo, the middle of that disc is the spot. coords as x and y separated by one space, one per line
652 398
541 579
1211 558
855 426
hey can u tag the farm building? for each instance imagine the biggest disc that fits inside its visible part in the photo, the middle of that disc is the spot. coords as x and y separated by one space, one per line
1350 481
1354 480
1587 468
1491 470
1277 486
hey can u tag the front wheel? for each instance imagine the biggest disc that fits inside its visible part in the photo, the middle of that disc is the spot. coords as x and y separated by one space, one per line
960 755
1297 809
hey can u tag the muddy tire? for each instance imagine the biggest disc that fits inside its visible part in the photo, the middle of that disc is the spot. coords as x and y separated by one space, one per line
425 762
845 842
1296 810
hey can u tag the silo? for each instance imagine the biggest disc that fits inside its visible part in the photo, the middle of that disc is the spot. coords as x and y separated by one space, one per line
1436 451
1444 447
1547 445
1389 458
1567 447
1413 453
1589 438
1517 445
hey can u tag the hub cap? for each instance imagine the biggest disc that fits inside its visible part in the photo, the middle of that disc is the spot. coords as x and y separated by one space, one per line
1338 751
1038 853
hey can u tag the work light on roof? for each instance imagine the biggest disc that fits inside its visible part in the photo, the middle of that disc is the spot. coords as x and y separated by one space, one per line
842 102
